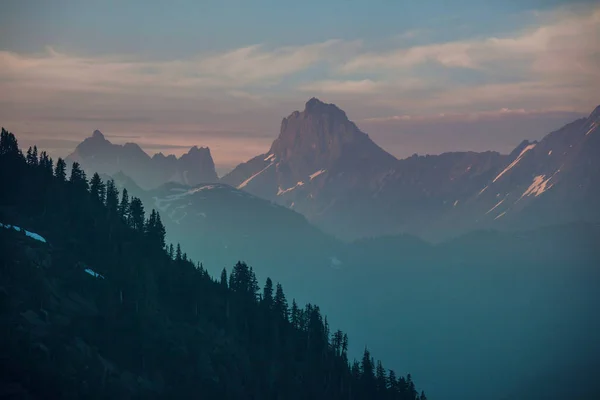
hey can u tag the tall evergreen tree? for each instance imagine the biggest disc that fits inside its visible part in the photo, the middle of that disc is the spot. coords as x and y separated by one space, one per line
112 197
267 296
224 277
35 156
178 255
78 178
97 188
46 163
381 378
137 214
280 302
30 159
124 206
61 170
160 231
295 317
9 144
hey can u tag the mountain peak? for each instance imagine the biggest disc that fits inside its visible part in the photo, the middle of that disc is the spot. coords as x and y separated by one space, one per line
316 106
199 150
97 135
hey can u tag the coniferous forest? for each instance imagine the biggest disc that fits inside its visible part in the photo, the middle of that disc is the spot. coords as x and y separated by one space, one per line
104 308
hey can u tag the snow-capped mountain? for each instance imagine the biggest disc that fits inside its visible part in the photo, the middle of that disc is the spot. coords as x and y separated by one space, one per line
551 181
319 160
97 154
324 167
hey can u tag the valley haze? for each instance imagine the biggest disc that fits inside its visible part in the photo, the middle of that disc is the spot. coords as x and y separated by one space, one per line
274 200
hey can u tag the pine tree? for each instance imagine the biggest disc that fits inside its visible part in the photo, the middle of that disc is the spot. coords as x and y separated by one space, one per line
112 197
381 378
61 170
295 317
34 156
367 373
150 226
280 303
97 188
160 231
171 251
9 144
392 382
267 297
224 277
78 178
124 206
137 214
30 160
178 253
46 163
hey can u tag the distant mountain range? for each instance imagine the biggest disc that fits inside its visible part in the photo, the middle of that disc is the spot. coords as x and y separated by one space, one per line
324 167
97 154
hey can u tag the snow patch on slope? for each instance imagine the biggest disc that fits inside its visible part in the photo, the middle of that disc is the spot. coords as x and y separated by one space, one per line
93 273
313 176
496 206
247 181
500 215
516 161
32 235
269 157
284 191
592 128
538 186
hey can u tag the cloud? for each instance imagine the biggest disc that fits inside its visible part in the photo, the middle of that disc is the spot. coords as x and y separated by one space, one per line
553 63
346 87
569 39
489 115
234 69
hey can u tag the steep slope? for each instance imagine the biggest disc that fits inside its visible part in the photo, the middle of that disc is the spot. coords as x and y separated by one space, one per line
220 225
97 154
554 181
100 309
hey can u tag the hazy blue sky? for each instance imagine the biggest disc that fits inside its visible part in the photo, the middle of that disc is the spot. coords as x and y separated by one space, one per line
224 73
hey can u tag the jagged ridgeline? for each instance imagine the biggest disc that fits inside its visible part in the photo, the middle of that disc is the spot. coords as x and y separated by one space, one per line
94 304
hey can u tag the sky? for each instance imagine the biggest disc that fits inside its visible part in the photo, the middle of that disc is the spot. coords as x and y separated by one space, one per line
419 77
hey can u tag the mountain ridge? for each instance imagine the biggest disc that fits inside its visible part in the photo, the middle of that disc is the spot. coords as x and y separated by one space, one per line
97 154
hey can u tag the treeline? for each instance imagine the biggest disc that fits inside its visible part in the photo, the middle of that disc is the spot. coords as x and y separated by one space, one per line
162 316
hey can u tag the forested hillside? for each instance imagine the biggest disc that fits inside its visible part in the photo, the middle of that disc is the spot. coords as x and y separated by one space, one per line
101 307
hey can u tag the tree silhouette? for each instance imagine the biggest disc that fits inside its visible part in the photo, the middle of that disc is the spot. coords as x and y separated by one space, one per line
137 214
124 206
78 178
61 170
112 197
97 188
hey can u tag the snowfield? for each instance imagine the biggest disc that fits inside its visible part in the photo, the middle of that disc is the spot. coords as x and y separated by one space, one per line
32 235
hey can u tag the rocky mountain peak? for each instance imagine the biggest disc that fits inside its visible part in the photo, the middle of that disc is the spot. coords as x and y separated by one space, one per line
97 135
315 106
319 135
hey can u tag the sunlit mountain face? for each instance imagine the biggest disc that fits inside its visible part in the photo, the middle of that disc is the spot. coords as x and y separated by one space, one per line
333 200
